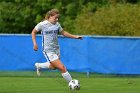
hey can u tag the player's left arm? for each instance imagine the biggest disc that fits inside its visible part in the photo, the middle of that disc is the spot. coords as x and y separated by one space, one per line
70 35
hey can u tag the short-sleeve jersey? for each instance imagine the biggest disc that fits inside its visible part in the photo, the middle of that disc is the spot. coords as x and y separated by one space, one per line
49 33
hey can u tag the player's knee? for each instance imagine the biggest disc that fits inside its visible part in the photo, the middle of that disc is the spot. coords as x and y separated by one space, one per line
62 69
52 67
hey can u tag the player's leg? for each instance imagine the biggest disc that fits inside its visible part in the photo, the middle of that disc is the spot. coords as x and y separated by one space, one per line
59 65
44 65
47 65
55 62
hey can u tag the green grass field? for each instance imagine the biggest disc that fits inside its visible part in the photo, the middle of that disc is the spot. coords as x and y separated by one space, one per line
56 84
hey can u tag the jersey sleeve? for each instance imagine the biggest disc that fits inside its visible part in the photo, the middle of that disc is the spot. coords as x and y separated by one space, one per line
60 28
38 27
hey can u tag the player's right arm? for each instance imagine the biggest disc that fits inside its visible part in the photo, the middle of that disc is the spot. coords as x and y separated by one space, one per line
35 46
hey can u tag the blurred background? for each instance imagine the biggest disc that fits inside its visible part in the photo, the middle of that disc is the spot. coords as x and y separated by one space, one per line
86 17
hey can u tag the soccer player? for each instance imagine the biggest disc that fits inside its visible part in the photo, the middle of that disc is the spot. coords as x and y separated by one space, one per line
49 29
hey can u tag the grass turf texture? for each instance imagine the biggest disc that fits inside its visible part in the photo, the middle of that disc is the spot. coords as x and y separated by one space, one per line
56 84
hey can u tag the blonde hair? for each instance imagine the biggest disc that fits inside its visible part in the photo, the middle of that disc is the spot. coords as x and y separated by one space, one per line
52 12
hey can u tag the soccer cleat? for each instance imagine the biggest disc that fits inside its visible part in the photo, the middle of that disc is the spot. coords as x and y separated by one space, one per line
37 69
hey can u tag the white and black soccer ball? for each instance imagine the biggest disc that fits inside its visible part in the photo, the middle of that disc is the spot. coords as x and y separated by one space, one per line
74 84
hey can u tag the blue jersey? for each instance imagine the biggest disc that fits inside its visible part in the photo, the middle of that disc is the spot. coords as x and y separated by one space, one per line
49 35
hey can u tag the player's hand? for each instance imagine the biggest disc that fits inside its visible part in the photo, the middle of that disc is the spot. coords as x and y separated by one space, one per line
35 47
79 37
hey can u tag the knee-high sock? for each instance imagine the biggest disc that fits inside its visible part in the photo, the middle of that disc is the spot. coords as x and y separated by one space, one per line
44 65
67 76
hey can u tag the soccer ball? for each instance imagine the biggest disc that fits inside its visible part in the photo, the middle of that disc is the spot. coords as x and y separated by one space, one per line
74 84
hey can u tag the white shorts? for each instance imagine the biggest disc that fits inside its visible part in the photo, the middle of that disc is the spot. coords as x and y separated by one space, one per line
51 56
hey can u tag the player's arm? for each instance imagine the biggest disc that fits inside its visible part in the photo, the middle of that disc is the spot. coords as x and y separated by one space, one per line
35 46
70 35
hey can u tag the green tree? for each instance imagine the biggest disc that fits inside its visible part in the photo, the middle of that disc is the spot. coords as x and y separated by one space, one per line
122 19
77 16
16 16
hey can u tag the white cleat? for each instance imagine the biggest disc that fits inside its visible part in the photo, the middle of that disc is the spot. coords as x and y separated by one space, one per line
37 69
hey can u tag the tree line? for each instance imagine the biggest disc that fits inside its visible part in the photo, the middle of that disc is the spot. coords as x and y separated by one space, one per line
85 17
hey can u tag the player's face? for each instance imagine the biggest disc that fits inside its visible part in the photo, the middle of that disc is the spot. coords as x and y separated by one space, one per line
54 19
